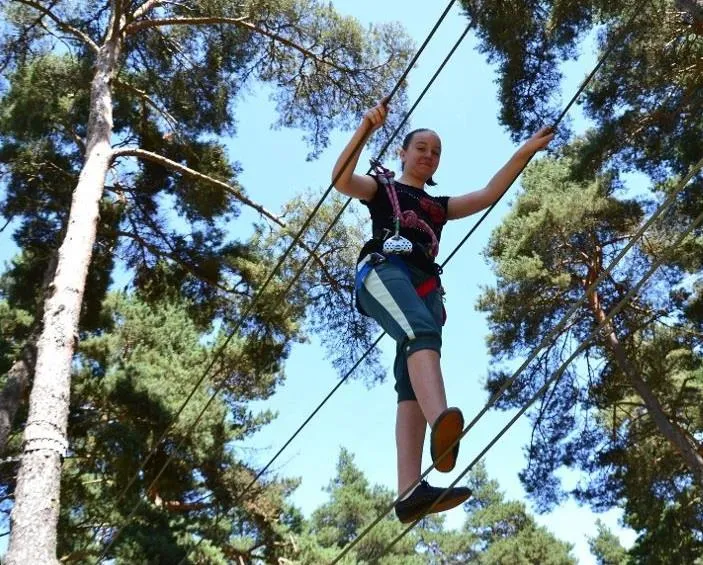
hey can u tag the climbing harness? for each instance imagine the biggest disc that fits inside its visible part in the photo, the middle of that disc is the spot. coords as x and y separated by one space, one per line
397 244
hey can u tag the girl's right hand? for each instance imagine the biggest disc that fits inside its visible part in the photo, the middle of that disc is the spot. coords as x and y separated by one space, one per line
376 116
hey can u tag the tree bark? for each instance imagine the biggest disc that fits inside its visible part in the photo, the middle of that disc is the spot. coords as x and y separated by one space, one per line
690 454
21 373
35 514
18 378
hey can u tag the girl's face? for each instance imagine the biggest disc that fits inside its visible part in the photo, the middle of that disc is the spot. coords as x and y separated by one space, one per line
421 158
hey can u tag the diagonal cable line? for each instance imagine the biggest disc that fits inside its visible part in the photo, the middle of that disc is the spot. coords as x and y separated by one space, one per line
220 351
669 201
557 374
573 99
324 235
376 341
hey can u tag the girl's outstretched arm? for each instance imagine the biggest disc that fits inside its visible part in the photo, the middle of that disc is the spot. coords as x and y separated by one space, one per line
472 202
358 186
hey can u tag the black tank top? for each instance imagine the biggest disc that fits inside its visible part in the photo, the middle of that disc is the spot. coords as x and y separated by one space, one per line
431 209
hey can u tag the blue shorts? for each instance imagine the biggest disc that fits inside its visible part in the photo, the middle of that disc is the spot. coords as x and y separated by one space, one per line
386 292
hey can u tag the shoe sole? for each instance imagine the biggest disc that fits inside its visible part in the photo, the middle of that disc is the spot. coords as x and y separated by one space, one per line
444 505
445 431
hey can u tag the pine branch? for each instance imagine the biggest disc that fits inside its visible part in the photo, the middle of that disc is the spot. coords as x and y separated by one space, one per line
172 122
161 253
688 331
61 24
168 163
7 223
146 7
241 22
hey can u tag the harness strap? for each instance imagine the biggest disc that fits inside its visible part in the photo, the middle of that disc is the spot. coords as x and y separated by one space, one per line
423 289
407 218
427 286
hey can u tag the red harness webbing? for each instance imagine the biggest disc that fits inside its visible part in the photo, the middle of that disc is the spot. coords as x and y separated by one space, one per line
427 286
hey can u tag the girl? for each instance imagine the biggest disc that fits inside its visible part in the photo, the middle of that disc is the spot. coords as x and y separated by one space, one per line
398 285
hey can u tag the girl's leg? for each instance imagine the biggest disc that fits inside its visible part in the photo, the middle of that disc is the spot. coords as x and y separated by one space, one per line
413 416
428 385
410 427
388 294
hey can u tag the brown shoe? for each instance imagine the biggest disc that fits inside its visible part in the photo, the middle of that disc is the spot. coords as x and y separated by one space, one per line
446 429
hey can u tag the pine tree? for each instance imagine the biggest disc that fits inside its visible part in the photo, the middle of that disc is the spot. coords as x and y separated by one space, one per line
496 531
606 547
645 101
504 532
130 380
91 86
627 411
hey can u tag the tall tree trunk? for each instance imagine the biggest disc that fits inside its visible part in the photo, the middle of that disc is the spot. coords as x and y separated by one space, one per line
18 378
20 374
35 514
689 453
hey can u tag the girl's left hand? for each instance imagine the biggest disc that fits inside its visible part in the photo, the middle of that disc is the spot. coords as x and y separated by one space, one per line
538 141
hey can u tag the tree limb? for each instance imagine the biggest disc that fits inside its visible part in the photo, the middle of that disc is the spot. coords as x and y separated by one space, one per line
116 18
146 98
7 223
134 27
62 25
145 8
160 253
168 163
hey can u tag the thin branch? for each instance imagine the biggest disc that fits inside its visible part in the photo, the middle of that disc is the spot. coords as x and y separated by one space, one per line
680 329
618 239
161 253
172 122
146 24
168 163
62 25
13 46
7 223
146 7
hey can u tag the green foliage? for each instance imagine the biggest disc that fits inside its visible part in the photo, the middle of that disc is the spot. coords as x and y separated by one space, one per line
353 505
130 381
496 531
606 547
645 100
503 532
558 238
15 324
325 288
166 231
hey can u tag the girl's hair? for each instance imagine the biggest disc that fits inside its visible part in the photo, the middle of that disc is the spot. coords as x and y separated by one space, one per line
406 144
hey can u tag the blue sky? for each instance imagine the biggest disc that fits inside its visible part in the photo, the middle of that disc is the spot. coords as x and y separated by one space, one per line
462 107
